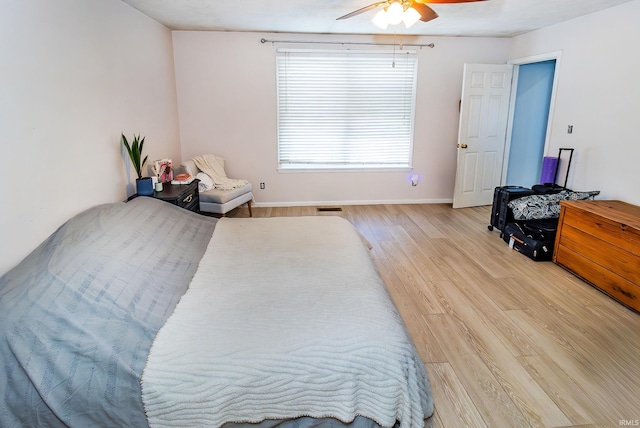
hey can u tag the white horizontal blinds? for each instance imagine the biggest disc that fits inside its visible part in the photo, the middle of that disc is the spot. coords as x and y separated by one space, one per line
345 110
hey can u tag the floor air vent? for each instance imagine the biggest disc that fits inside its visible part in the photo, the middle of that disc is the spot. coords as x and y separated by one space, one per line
325 209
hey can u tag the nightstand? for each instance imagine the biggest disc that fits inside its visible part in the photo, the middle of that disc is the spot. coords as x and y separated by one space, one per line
183 195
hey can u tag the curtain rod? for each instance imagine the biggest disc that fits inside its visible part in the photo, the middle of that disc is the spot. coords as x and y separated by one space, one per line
430 45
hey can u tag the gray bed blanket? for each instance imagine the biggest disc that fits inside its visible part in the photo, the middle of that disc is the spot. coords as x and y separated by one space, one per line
285 317
79 314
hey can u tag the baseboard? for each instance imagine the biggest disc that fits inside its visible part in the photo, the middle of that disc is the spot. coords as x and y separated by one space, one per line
332 203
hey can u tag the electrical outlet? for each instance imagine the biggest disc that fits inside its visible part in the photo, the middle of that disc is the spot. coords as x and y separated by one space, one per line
570 129
262 185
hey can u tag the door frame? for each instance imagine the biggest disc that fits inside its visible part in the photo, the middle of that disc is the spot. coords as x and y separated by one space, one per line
556 55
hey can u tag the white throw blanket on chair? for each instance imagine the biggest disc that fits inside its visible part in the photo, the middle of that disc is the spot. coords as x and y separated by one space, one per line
213 166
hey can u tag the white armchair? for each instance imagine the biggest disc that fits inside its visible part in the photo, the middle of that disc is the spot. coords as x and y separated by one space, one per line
219 201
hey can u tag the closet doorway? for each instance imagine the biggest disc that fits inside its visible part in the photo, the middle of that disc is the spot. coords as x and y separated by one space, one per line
535 80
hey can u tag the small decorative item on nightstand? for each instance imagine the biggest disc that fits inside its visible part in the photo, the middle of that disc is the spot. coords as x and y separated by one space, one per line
184 178
163 169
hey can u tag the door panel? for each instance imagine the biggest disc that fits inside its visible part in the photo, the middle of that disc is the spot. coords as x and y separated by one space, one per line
493 120
470 168
482 133
499 81
491 163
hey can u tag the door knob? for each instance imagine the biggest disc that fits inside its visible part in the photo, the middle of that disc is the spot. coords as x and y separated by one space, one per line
462 146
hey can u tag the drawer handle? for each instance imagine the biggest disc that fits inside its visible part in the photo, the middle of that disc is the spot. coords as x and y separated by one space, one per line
188 199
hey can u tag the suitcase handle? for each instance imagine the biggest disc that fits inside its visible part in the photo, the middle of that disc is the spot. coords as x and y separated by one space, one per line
517 239
555 175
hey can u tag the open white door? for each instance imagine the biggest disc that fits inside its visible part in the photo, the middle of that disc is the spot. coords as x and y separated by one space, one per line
484 111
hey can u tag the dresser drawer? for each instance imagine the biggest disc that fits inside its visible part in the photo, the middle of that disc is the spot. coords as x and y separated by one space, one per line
193 206
607 281
600 251
613 233
187 198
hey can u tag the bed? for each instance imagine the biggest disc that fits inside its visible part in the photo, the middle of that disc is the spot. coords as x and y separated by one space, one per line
143 314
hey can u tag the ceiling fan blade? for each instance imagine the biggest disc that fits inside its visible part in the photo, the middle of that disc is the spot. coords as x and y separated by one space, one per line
426 13
363 9
446 1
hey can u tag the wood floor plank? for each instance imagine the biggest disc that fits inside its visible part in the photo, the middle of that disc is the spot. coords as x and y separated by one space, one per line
486 312
567 393
455 408
491 400
423 340
417 215
412 249
376 223
617 325
492 346
614 399
412 278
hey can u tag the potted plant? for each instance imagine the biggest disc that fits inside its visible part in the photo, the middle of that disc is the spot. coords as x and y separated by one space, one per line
144 186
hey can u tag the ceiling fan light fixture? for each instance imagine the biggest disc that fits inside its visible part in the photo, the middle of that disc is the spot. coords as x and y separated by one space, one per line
395 13
410 17
381 19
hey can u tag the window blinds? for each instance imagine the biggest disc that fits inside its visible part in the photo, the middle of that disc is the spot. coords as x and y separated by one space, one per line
351 110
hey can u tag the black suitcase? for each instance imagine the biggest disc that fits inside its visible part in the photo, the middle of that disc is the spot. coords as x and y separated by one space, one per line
540 230
543 230
500 212
523 241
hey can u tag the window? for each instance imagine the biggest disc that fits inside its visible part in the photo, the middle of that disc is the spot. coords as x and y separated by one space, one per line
345 110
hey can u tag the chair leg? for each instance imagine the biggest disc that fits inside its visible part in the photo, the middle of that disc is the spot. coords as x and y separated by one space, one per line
249 205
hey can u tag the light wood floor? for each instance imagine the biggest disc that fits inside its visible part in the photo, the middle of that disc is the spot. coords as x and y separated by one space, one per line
507 342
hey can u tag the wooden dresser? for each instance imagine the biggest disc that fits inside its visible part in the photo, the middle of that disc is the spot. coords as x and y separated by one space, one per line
599 241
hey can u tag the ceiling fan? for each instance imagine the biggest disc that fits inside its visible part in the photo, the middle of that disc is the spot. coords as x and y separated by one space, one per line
396 11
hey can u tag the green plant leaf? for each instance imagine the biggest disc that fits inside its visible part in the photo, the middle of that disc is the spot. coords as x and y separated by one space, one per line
135 152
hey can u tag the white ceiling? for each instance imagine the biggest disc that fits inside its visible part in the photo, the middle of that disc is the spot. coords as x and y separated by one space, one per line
492 18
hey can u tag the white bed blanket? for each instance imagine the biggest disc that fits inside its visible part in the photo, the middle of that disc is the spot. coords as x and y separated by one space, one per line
285 317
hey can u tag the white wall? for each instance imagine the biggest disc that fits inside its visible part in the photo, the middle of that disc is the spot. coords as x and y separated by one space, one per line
75 74
598 93
227 106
